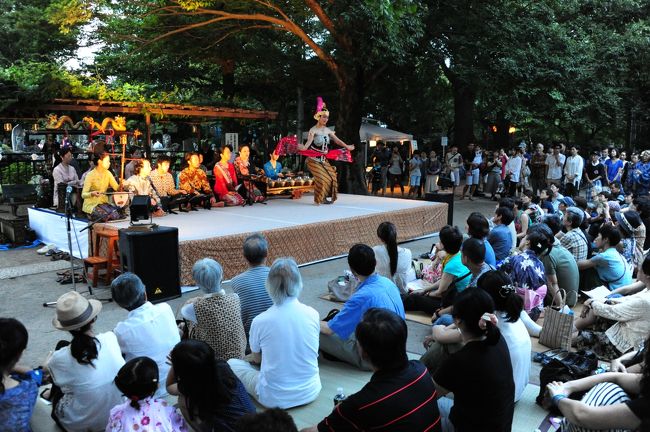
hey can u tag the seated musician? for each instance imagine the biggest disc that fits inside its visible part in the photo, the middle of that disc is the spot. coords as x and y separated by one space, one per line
252 189
273 168
96 184
140 184
194 182
64 173
225 179
165 187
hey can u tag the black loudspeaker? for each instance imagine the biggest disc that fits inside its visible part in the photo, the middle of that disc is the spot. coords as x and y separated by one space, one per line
153 256
139 208
447 198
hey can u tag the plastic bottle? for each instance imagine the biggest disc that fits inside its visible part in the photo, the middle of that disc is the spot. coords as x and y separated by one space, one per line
339 397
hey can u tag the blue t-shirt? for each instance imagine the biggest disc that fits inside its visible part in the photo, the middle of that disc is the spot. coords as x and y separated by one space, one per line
490 257
17 403
456 268
612 268
375 292
501 241
612 169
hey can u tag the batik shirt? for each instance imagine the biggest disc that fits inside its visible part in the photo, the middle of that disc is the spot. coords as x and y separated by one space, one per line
194 181
525 270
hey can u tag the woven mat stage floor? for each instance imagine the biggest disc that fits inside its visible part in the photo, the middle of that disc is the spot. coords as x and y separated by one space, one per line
296 228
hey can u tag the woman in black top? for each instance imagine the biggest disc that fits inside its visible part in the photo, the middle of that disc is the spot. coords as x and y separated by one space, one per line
480 374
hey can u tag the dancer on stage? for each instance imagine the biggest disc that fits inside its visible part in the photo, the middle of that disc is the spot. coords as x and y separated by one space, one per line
195 183
96 184
317 151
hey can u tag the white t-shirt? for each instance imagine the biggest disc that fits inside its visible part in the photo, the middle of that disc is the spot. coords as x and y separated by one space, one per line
513 167
519 346
287 336
88 391
404 273
555 167
149 331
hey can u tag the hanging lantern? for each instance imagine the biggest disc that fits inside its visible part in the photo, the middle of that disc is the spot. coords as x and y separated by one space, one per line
194 129
123 139
8 127
35 127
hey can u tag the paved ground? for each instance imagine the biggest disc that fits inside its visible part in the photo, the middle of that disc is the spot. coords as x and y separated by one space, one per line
22 297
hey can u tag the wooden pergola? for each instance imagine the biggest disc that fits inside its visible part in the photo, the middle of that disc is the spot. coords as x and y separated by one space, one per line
148 109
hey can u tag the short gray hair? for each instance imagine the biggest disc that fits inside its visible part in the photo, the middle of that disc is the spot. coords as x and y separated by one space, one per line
208 274
128 291
284 280
256 249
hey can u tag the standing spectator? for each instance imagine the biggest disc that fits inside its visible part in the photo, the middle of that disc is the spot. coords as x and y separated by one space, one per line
614 168
382 155
415 174
400 395
473 158
513 172
554 164
626 167
493 168
575 241
215 317
631 178
337 335
500 237
154 324
538 169
573 168
604 155
595 174
642 173
432 169
453 161
250 285
284 342
395 170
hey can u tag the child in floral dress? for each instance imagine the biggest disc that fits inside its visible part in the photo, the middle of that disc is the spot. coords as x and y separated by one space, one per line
138 381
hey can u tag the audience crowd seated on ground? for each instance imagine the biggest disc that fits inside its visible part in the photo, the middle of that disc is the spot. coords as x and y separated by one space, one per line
478 227
393 262
145 322
215 317
400 392
250 285
210 395
83 369
337 337
282 369
500 236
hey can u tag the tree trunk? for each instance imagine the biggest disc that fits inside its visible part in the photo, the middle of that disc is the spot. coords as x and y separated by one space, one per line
351 87
502 137
464 98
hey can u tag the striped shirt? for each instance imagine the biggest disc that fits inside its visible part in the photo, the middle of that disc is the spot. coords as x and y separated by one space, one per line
252 293
402 400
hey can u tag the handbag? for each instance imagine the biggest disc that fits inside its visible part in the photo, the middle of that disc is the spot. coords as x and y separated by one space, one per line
342 288
565 366
558 325
445 181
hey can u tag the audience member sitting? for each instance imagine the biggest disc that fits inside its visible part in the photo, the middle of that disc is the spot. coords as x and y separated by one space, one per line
612 327
522 220
478 227
83 370
479 374
249 286
393 262
215 318
400 394
575 241
455 276
560 267
19 387
194 182
210 396
627 224
145 322
270 420
284 342
509 308
527 272
611 269
606 404
500 238
337 335
225 179
138 380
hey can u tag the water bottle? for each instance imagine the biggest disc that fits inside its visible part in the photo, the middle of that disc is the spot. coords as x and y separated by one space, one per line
339 397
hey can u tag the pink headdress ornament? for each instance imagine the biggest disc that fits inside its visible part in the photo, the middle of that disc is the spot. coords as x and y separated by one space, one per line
320 108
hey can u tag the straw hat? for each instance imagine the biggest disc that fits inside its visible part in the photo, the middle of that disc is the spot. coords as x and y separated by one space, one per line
74 311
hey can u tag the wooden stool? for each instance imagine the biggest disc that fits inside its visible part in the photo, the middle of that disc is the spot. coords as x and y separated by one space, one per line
112 251
97 263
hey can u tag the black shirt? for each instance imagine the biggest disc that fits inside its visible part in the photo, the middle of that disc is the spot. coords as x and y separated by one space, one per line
641 408
381 155
594 171
480 377
402 400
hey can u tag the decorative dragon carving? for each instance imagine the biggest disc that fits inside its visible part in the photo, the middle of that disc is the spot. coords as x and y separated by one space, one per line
118 123
55 122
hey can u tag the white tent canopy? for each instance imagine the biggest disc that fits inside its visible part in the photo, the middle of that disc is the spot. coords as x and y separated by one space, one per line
371 132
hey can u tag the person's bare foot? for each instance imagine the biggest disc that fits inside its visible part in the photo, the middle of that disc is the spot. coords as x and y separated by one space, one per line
219 204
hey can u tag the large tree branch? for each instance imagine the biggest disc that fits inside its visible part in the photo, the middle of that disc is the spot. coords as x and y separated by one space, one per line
328 24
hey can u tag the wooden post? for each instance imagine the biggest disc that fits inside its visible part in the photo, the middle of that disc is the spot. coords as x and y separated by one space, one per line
147 144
